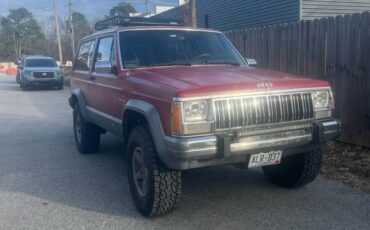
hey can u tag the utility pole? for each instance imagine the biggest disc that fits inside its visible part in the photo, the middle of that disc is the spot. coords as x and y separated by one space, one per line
146 6
193 13
72 29
58 34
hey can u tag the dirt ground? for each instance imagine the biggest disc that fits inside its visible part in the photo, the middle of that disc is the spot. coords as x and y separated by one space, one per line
348 164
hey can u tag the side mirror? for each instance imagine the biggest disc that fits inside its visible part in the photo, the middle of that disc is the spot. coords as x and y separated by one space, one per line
18 63
251 61
105 67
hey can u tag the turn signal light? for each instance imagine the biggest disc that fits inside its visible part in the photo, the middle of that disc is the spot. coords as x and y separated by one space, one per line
176 119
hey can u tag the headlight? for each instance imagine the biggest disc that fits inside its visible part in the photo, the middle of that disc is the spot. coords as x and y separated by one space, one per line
59 72
28 72
322 99
191 117
323 104
195 111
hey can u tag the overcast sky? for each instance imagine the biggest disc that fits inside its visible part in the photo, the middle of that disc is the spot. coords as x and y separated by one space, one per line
42 9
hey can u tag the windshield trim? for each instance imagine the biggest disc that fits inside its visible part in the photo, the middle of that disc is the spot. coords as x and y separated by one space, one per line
123 68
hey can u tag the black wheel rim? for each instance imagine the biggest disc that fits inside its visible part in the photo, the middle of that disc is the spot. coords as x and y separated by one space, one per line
140 171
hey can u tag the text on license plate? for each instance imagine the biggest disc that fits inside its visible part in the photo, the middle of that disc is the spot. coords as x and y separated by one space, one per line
263 159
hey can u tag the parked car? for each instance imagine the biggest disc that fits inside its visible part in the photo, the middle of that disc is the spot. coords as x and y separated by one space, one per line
40 71
184 98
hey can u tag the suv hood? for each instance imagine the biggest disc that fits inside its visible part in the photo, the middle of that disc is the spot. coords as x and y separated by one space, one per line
222 79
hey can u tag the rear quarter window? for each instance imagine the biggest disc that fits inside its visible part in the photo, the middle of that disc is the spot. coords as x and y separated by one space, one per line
85 56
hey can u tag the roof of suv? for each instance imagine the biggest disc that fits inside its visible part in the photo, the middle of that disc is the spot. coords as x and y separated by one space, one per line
132 28
38 57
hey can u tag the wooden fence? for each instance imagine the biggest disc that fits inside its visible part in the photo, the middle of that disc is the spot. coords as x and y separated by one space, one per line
334 49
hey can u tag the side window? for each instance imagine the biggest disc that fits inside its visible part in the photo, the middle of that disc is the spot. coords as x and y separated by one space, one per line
85 56
106 50
90 59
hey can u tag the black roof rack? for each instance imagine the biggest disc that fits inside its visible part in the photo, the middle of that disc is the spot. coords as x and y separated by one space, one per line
134 21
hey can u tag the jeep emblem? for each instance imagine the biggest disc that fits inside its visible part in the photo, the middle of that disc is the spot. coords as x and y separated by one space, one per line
264 85
43 74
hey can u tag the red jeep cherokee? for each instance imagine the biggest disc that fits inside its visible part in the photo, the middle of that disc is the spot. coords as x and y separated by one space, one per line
184 98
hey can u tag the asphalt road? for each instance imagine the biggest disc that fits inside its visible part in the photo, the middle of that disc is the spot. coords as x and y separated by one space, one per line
46 184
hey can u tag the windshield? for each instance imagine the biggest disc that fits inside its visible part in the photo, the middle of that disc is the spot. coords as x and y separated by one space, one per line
176 47
40 63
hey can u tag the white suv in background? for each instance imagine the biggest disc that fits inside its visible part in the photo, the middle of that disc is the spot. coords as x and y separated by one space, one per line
40 71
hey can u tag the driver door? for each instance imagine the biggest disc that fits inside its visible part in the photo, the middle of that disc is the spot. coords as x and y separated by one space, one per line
105 87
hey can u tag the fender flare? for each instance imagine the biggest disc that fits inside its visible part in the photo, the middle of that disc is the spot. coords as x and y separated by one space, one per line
154 122
80 101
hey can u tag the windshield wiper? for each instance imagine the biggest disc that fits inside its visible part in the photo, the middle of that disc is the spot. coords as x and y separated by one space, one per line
170 64
222 63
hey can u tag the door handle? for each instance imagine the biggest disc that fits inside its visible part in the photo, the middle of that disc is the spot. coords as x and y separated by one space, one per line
92 78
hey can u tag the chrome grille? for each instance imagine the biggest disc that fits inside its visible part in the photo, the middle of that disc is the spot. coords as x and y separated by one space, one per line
258 110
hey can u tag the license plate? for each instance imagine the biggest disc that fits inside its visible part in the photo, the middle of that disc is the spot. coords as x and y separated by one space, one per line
263 159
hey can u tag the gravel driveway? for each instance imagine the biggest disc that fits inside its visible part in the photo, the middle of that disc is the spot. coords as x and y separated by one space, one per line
46 184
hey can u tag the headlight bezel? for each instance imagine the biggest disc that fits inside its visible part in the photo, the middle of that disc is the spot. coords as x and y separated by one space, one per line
185 126
325 110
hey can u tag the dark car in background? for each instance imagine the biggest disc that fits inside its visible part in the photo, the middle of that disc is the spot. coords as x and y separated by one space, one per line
40 71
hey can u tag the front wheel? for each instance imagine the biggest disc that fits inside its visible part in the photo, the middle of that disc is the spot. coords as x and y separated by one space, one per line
296 170
60 86
155 189
22 85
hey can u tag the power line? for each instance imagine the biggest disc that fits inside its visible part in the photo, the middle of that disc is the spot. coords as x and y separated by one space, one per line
72 29
58 34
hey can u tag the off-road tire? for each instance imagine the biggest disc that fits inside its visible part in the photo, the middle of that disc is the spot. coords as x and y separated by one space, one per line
164 190
295 170
90 134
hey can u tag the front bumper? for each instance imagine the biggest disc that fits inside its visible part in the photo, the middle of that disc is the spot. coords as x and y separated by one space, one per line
227 148
32 81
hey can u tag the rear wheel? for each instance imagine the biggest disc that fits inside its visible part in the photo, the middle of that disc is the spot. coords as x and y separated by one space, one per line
87 135
155 189
296 170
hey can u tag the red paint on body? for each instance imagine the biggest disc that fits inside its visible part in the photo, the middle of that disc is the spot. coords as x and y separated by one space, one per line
159 85
193 81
